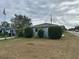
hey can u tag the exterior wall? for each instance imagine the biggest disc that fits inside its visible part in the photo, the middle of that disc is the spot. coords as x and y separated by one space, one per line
8 31
45 32
34 32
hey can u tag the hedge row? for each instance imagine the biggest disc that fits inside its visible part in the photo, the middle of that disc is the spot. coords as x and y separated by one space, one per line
28 32
55 32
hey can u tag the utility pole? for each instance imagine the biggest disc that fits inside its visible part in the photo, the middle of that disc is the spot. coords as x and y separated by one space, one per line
50 14
51 18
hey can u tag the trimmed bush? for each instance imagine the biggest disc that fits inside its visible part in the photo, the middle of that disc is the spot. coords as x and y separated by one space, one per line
55 32
19 33
28 33
2 35
40 33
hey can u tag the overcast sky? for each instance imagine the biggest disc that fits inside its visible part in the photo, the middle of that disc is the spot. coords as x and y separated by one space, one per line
64 12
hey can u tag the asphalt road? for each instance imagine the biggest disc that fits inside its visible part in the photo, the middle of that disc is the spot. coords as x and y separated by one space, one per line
74 33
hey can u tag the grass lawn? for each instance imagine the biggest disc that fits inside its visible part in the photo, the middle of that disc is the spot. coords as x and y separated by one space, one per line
22 48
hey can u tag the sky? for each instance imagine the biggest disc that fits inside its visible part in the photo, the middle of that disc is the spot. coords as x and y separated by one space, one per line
64 12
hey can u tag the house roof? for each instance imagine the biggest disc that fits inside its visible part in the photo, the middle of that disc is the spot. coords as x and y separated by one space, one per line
45 25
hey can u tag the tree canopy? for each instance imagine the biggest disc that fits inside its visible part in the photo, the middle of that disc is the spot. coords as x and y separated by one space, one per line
21 22
5 24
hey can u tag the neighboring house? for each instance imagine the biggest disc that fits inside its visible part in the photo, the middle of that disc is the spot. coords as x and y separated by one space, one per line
44 27
76 28
9 31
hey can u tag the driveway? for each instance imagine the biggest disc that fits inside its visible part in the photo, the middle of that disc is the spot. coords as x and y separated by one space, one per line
74 33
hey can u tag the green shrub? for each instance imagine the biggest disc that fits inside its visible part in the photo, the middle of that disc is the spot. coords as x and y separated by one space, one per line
40 33
1 34
55 32
19 33
28 32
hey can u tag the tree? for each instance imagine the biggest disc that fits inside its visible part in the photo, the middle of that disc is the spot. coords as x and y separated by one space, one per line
5 25
20 22
76 28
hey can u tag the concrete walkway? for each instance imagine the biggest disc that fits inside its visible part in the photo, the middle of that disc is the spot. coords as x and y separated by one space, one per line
7 38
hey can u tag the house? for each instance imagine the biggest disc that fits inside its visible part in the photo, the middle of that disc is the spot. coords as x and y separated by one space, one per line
44 27
9 31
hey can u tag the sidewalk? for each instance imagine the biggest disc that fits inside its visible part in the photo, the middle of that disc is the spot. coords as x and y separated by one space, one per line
7 38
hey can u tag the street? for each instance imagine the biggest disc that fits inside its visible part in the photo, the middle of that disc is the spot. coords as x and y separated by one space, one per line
74 33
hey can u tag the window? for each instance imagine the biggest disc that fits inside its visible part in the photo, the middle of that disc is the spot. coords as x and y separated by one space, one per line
36 30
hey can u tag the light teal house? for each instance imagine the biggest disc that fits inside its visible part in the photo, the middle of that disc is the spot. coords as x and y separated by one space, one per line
44 27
